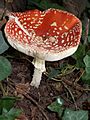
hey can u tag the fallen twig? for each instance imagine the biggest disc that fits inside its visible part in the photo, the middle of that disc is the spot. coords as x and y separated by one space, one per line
39 107
72 96
76 86
27 96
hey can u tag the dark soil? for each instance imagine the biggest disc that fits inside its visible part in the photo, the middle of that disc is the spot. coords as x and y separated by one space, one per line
34 101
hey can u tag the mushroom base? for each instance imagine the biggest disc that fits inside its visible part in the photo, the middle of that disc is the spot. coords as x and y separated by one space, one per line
36 78
39 69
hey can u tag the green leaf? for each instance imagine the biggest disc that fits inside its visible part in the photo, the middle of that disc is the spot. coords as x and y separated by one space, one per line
14 112
83 29
67 114
53 73
79 63
3 117
57 106
88 53
3 45
80 52
79 55
34 4
87 60
75 115
56 6
10 115
5 68
86 78
89 38
7 103
87 69
46 5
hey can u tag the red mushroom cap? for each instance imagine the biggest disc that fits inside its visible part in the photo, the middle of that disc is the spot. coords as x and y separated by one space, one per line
51 35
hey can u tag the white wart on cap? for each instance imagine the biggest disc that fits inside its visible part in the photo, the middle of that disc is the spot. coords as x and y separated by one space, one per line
49 35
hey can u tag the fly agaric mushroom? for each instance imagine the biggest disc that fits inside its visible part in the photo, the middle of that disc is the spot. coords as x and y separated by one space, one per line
50 35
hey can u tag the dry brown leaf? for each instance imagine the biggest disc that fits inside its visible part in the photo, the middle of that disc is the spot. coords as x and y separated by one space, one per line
22 117
22 88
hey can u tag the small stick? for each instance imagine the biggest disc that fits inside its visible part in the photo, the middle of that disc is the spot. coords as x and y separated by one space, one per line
39 107
68 91
72 96
35 102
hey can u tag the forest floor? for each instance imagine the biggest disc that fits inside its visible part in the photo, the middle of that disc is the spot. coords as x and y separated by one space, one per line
34 101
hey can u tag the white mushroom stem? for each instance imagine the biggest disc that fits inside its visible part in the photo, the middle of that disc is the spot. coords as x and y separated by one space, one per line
39 69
